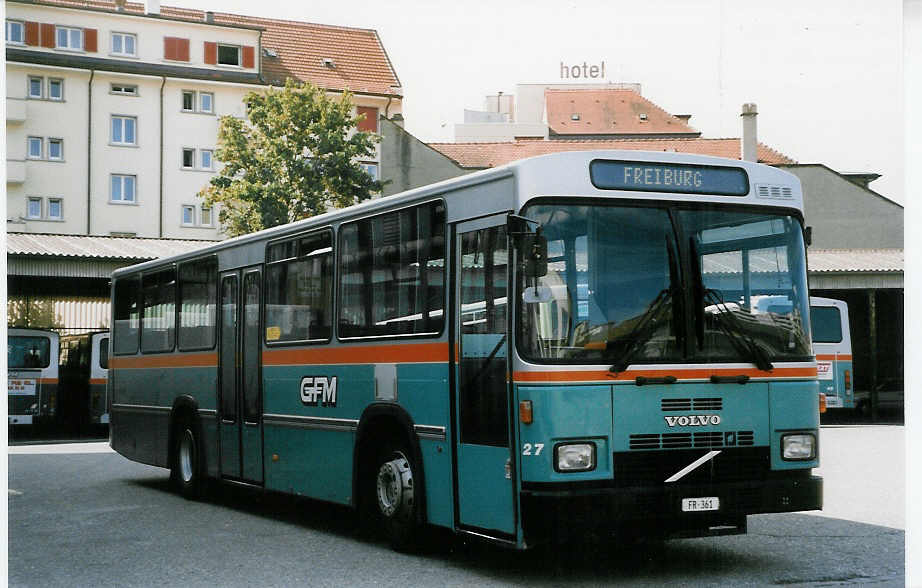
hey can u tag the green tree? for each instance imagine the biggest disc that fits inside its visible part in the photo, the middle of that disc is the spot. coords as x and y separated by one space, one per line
296 156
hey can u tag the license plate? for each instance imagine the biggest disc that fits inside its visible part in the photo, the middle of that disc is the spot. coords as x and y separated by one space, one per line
700 504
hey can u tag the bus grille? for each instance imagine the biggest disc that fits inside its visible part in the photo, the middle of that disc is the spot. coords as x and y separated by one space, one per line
688 440
645 468
680 404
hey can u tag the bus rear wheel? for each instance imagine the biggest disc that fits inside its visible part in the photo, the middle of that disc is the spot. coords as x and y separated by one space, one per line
395 498
186 470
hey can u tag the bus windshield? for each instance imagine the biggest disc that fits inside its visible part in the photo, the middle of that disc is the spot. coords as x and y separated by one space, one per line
638 284
28 352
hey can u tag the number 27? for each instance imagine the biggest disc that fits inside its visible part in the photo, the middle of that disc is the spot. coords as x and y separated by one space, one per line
527 448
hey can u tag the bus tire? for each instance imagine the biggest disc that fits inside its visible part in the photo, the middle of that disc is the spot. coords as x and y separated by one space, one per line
394 493
186 466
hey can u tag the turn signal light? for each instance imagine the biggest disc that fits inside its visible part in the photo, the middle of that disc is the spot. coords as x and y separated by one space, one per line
822 403
525 415
848 379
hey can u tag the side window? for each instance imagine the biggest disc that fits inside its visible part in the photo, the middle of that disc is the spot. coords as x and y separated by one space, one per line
299 288
392 278
126 323
826 323
198 293
158 322
104 353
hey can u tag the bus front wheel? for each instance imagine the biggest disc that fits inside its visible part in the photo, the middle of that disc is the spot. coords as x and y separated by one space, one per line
186 467
395 497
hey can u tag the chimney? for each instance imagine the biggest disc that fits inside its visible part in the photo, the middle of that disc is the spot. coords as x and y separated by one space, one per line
209 17
120 5
397 119
683 117
152 7
750 141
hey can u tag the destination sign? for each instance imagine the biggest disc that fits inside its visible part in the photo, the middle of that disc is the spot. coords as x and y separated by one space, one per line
668 177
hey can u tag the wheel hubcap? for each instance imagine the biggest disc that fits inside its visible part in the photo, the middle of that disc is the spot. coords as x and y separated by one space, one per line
395 486
186 449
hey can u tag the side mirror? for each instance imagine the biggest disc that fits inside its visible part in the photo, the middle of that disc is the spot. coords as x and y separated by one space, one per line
534 255
808 236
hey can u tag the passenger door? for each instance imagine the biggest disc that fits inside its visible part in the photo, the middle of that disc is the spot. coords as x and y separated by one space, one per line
240 402
484 463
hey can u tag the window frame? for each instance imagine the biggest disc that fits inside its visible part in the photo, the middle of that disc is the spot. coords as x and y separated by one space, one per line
60 203
182 162
201 107
237 48
212 259
182 215
122 92
123 36
41 148
60 143
41 207
142 307
122 200
68 46
210 166
22 31
118 282
123 118
182 103
331 294
41 87
210 210
51 96
376 165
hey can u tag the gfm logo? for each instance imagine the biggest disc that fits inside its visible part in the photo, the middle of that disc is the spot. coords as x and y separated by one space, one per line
695 420
318 391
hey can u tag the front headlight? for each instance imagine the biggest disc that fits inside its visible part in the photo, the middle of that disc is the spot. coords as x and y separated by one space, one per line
575 457
798 447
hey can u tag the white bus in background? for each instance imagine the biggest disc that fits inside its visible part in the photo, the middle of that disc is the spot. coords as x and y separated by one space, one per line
832 345
32 376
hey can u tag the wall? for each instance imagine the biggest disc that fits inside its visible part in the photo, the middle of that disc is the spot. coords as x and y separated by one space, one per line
844 215
409 163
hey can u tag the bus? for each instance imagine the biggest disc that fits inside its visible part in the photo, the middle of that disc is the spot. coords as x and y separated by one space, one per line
832 344
84 367
562 341
32 376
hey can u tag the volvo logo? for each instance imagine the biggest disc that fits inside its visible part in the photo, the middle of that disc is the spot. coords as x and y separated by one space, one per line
694 420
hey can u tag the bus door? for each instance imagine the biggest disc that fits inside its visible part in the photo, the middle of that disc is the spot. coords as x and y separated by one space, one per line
482 390
240 401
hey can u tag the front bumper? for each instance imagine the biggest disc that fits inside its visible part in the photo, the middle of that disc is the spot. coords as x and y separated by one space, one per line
657 510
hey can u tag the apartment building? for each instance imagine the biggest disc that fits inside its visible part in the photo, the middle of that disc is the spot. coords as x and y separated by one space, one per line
113 107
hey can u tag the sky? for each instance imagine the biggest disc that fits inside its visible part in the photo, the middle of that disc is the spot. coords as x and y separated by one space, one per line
826 74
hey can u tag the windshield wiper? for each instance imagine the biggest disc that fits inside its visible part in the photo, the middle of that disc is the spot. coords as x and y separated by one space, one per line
642 330
733 329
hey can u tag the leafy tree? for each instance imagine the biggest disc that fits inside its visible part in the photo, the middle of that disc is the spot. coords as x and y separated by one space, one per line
296 156
28 312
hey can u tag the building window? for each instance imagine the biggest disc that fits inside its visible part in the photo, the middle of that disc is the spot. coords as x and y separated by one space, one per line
55 89
124 90
206 102
369 124
207 220
34 208
188 215
124 44
371 169
123 130
69 38
35 87
207 160
123 188
55 209
14 32
55 149
188 100
36 150
228 55
188 158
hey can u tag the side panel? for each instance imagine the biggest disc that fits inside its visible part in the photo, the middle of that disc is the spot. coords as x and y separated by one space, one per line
793 407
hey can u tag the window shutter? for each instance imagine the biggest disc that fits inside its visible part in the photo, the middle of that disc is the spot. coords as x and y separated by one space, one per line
370 124
182 49
211 53
169 48
31 33
47 35
89 40
249 56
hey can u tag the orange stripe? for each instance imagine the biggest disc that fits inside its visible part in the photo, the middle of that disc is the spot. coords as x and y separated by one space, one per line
102 381
162 361
841 357
697 374
48 380
409 353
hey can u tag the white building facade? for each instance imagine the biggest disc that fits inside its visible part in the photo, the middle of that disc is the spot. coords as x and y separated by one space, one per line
113 109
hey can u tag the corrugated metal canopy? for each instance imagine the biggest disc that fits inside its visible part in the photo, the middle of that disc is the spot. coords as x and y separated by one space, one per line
855 260
133 248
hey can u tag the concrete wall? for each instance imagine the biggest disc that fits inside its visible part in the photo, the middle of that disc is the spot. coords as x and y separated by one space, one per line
409 163
844 215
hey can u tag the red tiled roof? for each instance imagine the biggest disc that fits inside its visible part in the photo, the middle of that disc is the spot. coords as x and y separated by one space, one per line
609 112
360 61
484 155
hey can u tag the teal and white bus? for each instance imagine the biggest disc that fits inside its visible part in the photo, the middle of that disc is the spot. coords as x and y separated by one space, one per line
564 340
32 375
832 344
